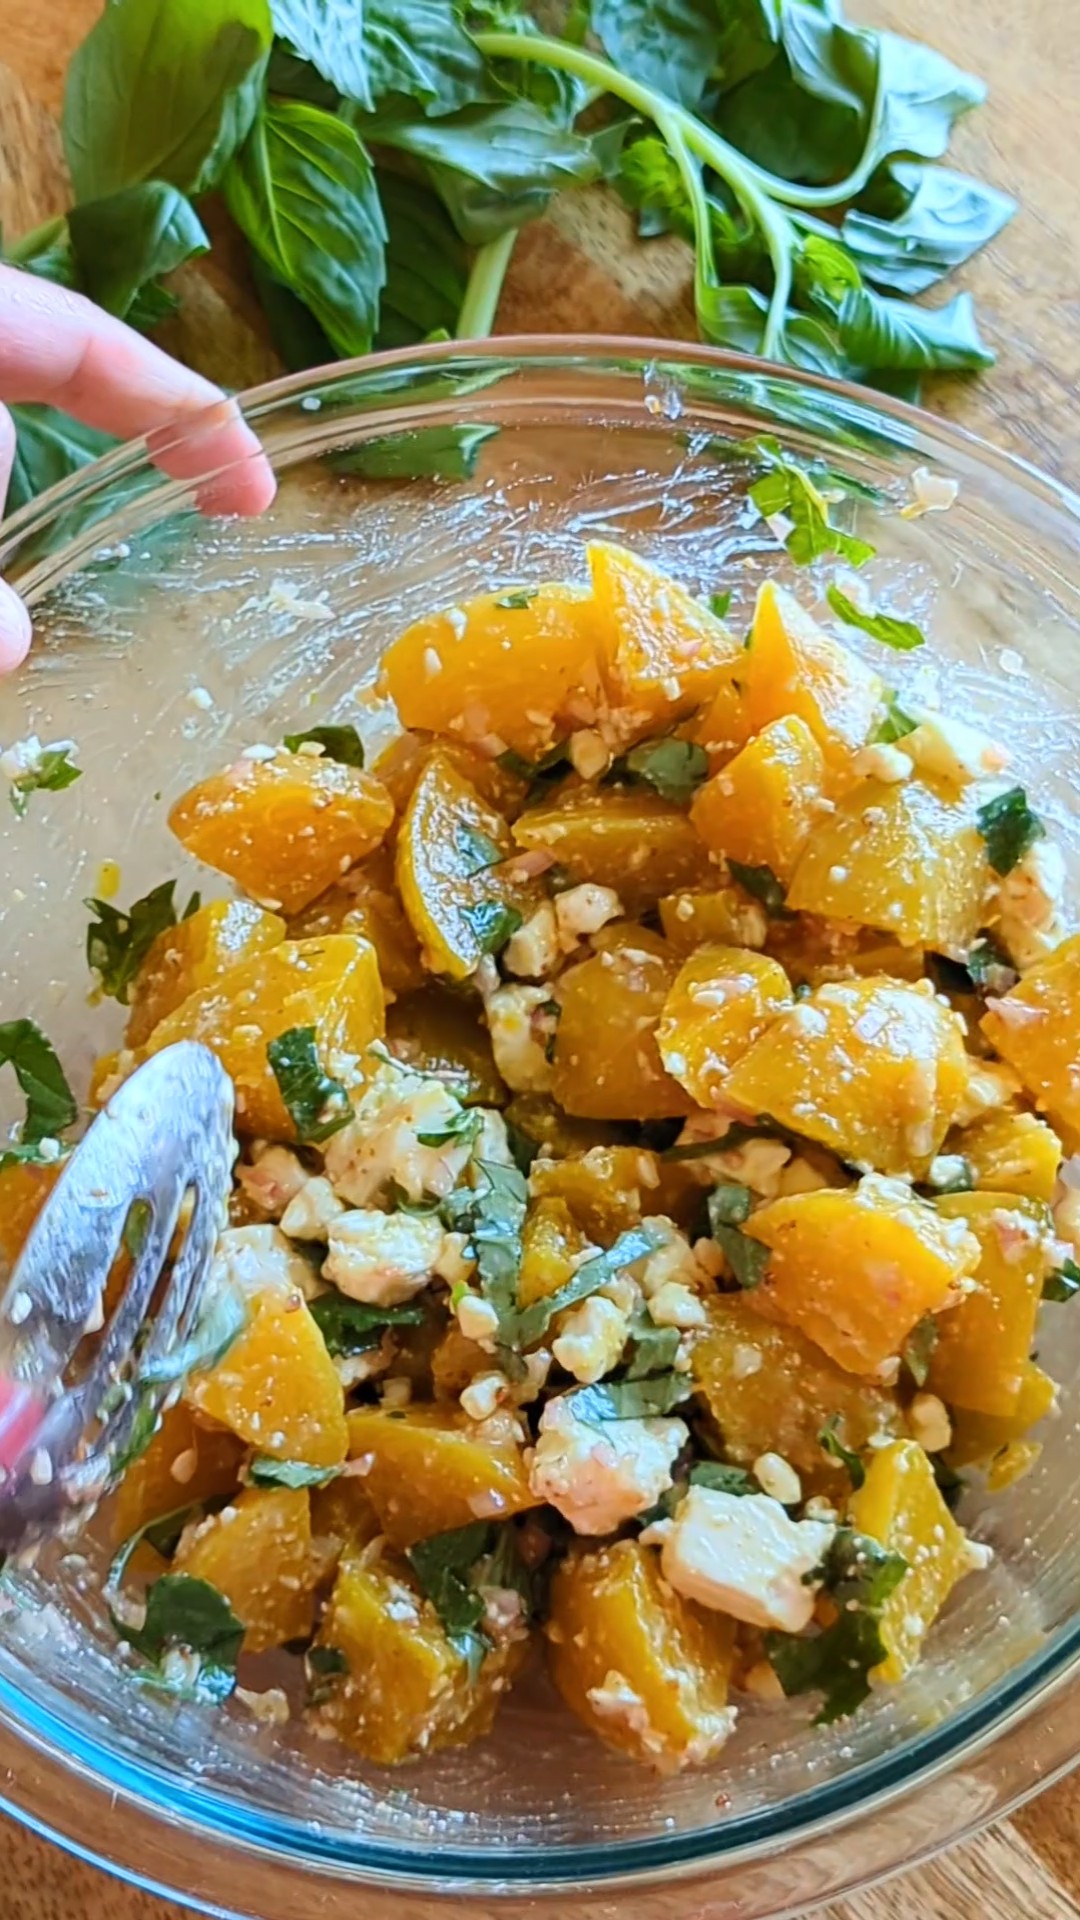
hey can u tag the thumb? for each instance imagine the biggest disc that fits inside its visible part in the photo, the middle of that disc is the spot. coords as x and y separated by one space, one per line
14 619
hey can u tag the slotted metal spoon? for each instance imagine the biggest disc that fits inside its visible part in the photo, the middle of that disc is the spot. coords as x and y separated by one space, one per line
108 1307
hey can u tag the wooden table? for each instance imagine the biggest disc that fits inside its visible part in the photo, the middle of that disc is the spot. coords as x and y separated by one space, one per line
581 271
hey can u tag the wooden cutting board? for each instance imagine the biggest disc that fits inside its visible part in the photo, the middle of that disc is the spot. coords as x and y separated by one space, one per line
581 270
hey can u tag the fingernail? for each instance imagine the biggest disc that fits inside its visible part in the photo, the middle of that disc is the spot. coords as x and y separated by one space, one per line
14 629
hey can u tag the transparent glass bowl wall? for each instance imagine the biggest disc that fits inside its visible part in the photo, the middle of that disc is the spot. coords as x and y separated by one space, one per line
165 643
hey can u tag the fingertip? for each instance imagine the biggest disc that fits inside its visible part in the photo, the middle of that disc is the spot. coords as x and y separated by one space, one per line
15 630
218 452
247 489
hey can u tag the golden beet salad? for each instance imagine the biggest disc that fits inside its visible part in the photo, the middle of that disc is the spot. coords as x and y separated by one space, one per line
652 1079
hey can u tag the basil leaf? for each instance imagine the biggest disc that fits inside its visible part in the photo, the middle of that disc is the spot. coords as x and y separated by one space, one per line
426 267
1009 828
719 604
492 1213
918 1350
950 1484
830 1442
941 220
895 725
675 768
478 850
883 333
518 600
318 1105
442 1565
860 1575
302 190
721 1478
50 1103
956 1174
728 1206
1063 1284
491 923
322 1666
329 36
988 966
789 490
352 1326
671 45
464 1126
125 241
901 635
419 50
265 1471
162 1533
441 453
922 95
763 884
190 1615
653 1348
49 446
631 1399
532 1322
163 91
51 773
221 1318
338 743
117 943
541 774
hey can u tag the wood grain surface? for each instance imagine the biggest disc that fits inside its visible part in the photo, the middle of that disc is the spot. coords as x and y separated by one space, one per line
582 270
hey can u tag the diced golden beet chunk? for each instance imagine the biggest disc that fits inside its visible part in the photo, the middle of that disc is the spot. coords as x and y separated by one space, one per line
195 954
874 1069
449 855
552 1131
645 1669
722 998
769 1389
981 1437
856 1269
284 829
906 857
983 1343
186 1461
430 1470
407 1690
456 1361
620 837
723 726
343 1519
366 903
258 1553
510 665
609 1189
725 915
1011 1153
330 984
399 768
443 1033
660 650
551 1245
794 667
899 1505
277 1386
25 1185
606 1061
762 807
1036 1028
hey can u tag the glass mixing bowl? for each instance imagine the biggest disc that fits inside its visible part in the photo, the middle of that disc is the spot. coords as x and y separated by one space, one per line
165 642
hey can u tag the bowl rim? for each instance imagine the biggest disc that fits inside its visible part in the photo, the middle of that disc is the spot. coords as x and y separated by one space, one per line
920 1761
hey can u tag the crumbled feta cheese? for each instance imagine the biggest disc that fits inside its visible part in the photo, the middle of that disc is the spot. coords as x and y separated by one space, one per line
381 1143
989 1086
583 910
953 750
482 1395
674 1261
885 761
929 1421
455 1264
354 1369
599 1476
270 1707
742 1555
589 755
617 1703
947 1171
676 1305
591 1338
383 1258
757 1164
477 1320
311 1214
778 1478
255 1259
396 1392
931 493
800 1176
518 1048
504 1617
1030 904
533 951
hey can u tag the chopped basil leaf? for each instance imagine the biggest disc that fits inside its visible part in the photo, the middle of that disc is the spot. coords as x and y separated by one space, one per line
265 1471
653 1348
950 1484
631 1399
117 943
318 1104
830 1442
858 1569
763 884
491 923
860 1575
1063 1284
163 1534
1009 828
352 1326
901 635
50 1103
189 1615
954 1174
895 725
719 604
492 1213
635 1244
478 850
721 1478
521 597
675 768
540 774
337 743
52 772
322 1666
442 1565
988 966
919 1347
789 489
463 1127
728 1206
521 1144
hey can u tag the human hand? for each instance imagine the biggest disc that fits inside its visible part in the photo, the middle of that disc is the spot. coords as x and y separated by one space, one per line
59 349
